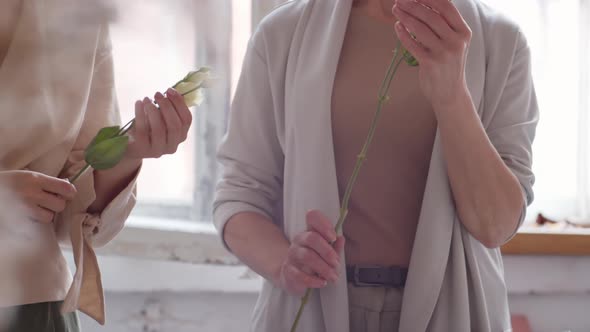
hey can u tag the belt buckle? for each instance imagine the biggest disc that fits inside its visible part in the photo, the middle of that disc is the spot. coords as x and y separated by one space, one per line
359 283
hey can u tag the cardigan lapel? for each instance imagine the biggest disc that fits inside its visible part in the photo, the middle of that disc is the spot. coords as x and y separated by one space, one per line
310 78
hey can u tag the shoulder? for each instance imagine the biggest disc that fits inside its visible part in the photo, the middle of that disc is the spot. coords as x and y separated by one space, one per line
278 27
499 30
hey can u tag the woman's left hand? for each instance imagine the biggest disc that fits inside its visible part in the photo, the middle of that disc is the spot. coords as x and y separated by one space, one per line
437 35
159 131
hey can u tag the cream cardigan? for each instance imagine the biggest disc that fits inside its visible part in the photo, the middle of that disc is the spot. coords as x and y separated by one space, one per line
56 92
279 161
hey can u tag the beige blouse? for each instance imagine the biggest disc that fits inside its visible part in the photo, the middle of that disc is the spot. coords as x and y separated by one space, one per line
56 92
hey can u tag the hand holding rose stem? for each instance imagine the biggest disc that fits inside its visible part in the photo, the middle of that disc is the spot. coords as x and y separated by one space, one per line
399 55
108 147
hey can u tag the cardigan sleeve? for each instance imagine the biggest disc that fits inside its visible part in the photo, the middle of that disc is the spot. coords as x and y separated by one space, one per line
515 115
251 154
101 111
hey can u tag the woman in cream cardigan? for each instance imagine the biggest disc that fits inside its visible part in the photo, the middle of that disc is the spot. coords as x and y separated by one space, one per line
446 182
56 92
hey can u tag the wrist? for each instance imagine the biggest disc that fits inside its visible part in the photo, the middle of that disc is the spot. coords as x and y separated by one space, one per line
130 162
459 100
125 166
277 271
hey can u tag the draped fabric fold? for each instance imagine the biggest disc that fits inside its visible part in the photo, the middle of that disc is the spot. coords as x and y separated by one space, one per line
86 292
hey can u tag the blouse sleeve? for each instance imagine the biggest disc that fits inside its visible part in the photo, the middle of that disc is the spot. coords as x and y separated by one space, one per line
101 111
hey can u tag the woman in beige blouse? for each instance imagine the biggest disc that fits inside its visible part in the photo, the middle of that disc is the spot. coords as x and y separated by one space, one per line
56 92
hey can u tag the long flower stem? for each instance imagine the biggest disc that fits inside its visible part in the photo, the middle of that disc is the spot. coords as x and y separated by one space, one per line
75 177
393 66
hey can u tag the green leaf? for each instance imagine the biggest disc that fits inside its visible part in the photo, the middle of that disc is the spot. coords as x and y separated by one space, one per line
107 153
410 59
104 134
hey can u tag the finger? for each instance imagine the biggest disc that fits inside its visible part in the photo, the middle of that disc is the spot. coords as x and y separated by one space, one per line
317 222
183 111
51 202
448 11
299 281
410 43
57 186
157 129
339 245
428 17
317 243
423 33
172 122
42 215
140 129
306 258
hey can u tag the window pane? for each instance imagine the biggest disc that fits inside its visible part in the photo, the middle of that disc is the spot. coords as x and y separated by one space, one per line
549 26
154 46
155 43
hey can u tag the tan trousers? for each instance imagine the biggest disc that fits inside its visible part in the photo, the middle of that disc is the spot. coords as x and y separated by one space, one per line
374 309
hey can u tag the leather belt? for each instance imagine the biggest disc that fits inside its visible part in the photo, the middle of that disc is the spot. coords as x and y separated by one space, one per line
376 276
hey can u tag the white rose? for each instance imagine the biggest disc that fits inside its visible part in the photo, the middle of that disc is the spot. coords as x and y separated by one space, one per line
200 77
192 93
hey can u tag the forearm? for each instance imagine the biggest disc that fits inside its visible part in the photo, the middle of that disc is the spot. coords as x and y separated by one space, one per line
258 243
488 196
109 183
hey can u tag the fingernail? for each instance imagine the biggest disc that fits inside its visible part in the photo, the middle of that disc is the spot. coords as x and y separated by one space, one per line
146 100
158 95
171 91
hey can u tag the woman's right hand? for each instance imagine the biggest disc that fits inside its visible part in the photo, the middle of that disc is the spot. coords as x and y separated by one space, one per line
43 196
313 259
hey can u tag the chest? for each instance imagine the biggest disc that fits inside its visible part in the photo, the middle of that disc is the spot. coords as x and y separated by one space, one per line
407 124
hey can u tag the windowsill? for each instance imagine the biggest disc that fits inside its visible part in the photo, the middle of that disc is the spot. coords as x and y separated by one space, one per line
169 240
535 241
151 253
198 242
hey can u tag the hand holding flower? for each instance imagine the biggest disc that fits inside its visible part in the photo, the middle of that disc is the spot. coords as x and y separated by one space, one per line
436 34
156 130
311 261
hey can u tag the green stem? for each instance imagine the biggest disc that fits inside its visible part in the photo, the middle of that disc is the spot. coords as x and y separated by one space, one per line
304 300
75 177
363 155
126 128
393 67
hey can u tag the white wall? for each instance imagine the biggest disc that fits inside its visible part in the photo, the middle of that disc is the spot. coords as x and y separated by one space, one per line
158 296
174 312
219 312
